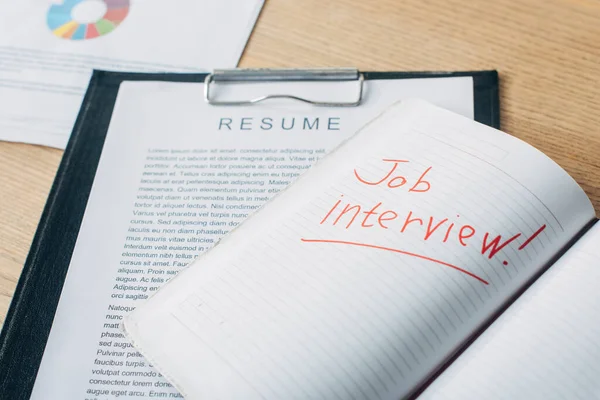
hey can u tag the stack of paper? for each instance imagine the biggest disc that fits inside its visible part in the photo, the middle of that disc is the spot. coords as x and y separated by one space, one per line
48 49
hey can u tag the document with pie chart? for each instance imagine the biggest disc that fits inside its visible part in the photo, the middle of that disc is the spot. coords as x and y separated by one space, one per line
48 49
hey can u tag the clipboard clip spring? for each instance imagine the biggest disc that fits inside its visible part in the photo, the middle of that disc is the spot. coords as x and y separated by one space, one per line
283 75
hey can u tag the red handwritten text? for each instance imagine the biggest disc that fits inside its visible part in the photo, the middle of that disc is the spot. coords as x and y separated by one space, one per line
429 228
395 181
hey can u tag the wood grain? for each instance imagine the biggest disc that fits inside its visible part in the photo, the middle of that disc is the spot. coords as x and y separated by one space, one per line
546 51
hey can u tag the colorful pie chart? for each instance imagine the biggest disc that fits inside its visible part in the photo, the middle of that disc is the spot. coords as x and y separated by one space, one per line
62 24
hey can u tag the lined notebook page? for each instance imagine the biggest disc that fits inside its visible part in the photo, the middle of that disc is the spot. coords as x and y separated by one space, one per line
545 346
362 277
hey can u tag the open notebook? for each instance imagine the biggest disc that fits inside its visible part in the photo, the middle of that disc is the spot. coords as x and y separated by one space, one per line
371 273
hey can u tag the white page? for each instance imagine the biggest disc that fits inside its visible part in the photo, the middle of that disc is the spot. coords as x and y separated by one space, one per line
43 75
356 282
149 118
545 346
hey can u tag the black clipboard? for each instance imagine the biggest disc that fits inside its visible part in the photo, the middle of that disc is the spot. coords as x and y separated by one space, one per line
31 313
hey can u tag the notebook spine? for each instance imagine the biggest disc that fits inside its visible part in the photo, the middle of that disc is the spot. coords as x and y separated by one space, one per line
561 252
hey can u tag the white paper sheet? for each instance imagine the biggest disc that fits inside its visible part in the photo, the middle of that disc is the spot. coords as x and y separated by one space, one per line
167 128
49 47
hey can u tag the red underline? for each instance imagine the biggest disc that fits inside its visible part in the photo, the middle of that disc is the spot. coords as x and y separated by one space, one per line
372 246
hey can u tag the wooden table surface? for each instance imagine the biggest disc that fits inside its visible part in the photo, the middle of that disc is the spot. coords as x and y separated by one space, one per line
546 51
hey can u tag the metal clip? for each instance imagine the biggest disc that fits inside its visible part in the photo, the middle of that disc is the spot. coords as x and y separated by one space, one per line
283 75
